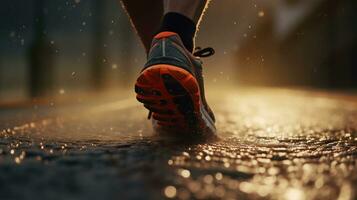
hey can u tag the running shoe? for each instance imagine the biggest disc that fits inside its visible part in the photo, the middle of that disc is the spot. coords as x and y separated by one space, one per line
171 87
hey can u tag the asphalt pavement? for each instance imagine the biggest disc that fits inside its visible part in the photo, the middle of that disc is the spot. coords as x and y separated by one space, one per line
272 144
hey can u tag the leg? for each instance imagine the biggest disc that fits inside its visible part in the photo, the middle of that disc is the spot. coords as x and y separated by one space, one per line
183 17
145 21
192 9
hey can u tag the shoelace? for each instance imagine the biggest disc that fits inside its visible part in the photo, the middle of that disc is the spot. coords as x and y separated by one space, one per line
205 52
199 52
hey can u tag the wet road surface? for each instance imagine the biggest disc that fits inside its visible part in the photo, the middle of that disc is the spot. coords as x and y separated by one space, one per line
273 144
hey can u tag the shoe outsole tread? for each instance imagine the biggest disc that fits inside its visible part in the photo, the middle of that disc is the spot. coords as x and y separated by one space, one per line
171 94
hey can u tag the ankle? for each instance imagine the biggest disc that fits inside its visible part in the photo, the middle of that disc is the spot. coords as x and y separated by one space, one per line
182 25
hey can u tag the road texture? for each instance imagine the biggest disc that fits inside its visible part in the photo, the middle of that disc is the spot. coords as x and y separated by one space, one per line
273 144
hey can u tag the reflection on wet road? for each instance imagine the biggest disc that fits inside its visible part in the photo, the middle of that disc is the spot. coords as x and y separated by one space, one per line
273 144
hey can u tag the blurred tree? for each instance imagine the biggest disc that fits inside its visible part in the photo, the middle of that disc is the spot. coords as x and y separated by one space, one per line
1 89
98 51
305 43
40 55
126 44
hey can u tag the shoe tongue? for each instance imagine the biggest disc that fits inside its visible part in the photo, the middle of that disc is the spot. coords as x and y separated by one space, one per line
164 34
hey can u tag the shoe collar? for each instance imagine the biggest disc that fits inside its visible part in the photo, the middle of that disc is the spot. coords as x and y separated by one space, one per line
164 34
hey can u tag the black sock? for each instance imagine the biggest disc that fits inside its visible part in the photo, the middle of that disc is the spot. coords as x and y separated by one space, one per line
181 25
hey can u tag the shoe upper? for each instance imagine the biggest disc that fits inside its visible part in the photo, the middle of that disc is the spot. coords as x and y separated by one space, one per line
167 48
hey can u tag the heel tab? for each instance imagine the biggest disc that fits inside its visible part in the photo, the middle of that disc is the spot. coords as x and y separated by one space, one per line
164 34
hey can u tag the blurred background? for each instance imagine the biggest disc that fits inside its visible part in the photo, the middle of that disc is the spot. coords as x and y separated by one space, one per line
65 47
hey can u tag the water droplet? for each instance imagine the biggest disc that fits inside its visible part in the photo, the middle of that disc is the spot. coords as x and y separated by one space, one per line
170 191
12 34
294 194
261 13
208 158
61 91
17 160
219 176
185 173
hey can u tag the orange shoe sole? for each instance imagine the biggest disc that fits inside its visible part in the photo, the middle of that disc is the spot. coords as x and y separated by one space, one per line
172 95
